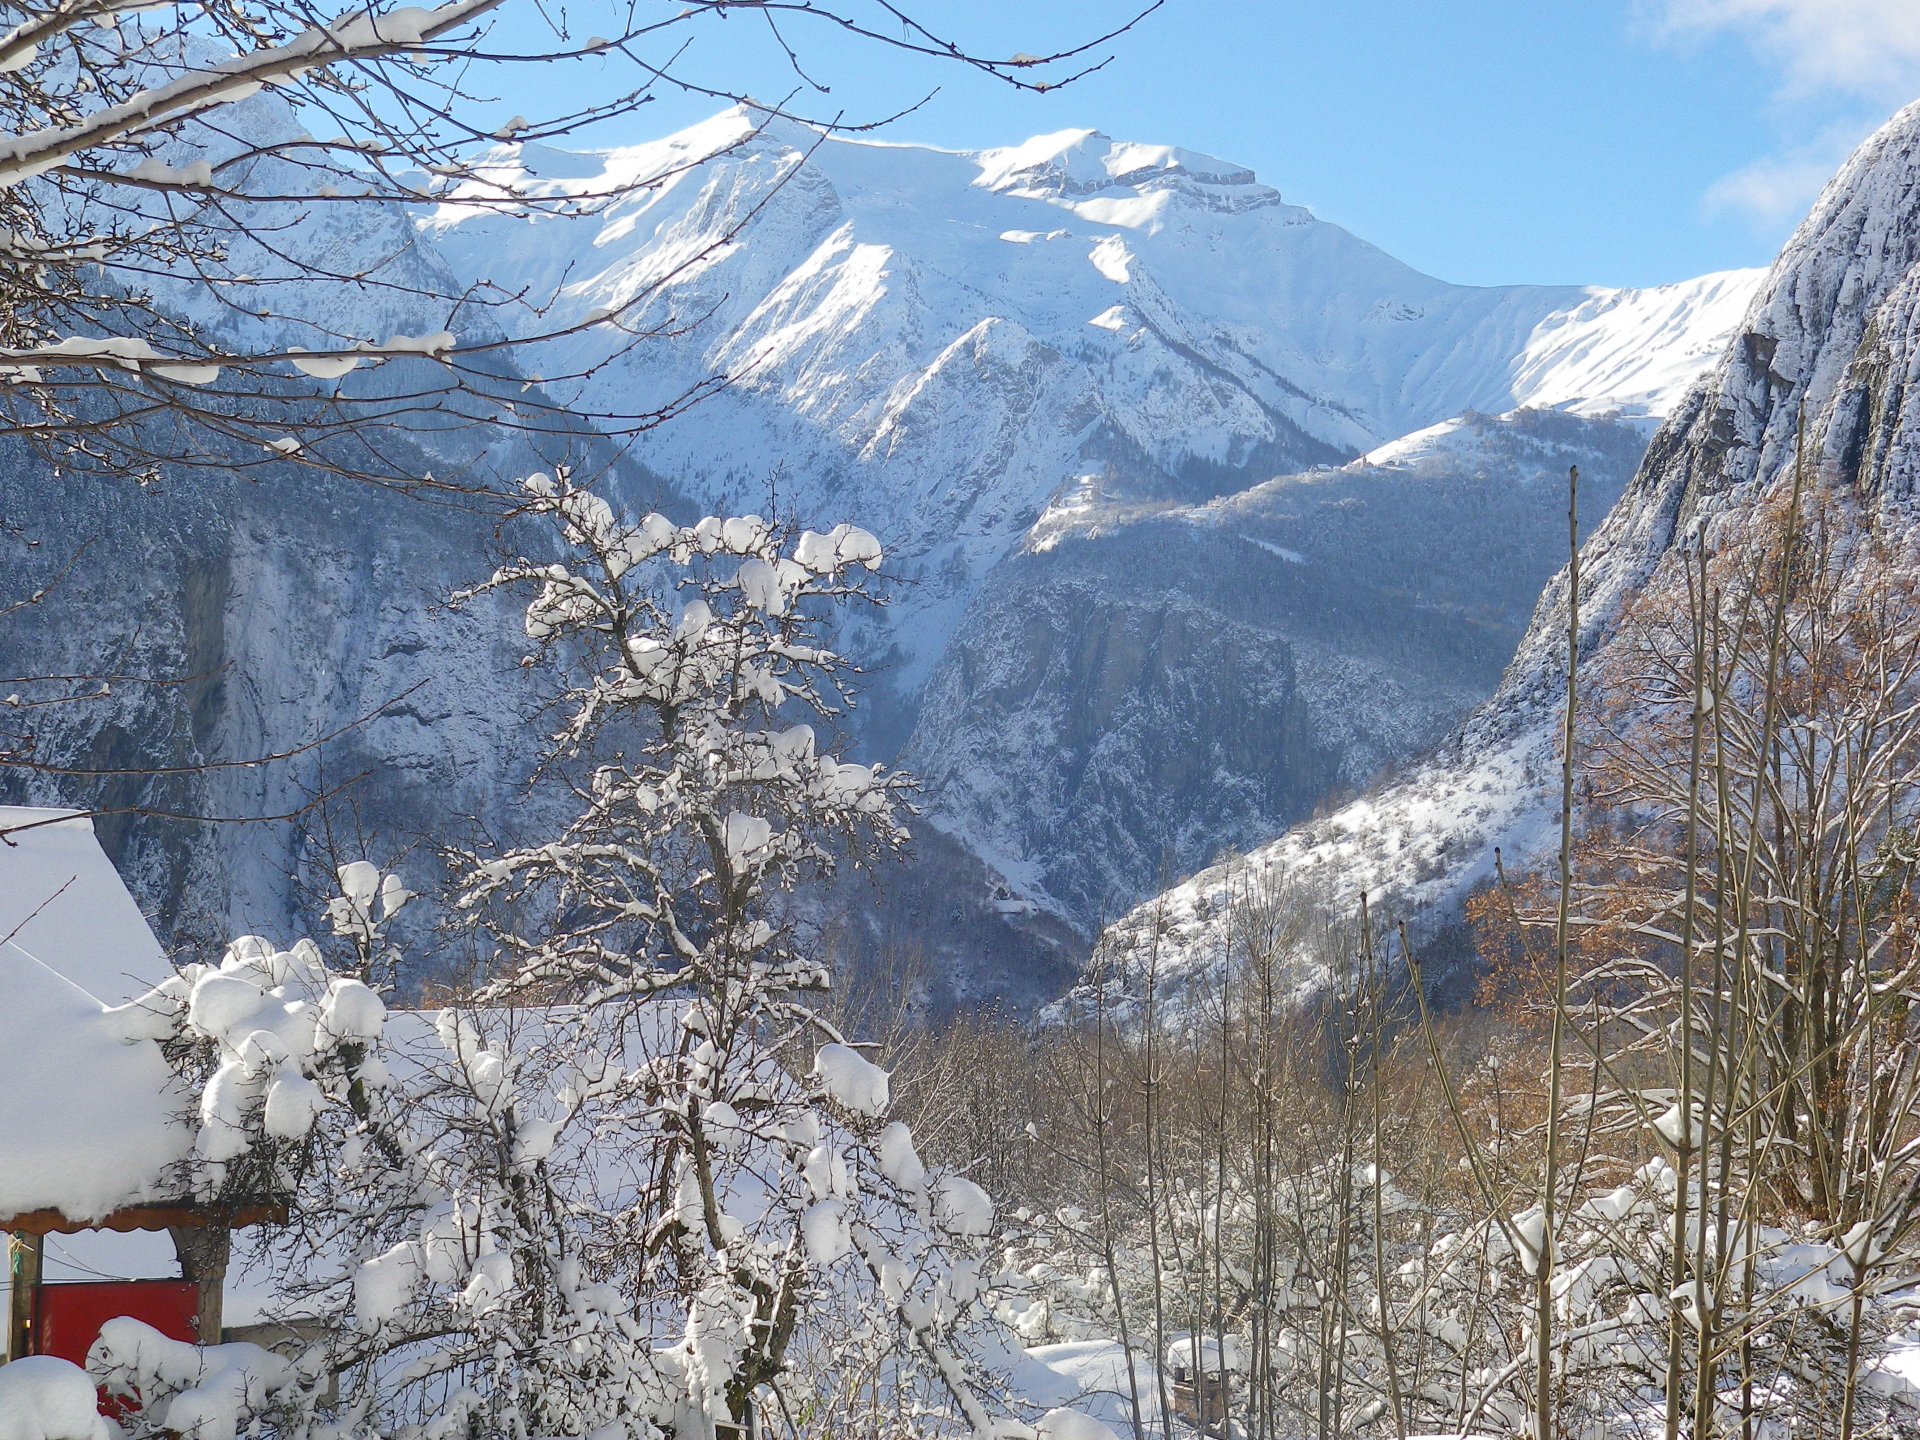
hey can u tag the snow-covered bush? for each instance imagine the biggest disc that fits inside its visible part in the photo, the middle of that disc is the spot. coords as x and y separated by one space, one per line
520 1237
1804 1318
45 1398
269 1039
193 1392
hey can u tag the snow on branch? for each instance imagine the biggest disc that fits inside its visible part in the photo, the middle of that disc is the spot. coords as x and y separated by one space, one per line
371 35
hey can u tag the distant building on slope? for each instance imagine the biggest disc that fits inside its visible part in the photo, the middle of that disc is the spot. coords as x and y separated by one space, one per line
1203 1371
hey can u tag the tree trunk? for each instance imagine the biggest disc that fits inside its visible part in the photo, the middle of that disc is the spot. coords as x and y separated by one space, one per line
204 1253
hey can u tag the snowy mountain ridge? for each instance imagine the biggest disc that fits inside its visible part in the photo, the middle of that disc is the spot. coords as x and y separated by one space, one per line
1310 321
933 343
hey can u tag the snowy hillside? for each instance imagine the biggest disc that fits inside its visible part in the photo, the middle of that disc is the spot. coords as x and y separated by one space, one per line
1634 351
1833 333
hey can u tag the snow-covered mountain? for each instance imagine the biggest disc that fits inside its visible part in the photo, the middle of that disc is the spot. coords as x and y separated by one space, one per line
1202 510
1832 335
939 344
1043 374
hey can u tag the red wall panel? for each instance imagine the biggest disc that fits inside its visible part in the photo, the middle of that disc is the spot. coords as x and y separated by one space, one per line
70 1314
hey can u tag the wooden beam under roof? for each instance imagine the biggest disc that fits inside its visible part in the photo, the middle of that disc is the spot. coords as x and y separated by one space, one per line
147 1217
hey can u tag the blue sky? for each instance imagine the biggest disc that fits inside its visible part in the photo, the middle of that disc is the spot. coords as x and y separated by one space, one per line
1486 141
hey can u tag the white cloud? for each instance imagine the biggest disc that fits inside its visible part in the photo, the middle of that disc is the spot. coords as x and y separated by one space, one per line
1843 64
1778 189
1870 48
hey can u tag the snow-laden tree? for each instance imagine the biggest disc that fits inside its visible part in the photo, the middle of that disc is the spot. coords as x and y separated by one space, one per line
698 668
635 1185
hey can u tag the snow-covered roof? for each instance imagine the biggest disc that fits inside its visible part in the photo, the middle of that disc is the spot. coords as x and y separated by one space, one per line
87 1111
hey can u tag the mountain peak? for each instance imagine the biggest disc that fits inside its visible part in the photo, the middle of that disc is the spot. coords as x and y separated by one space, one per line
1831 336
1085 162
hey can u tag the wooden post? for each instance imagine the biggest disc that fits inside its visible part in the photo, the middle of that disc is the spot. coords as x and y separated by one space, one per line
24 1253
204 1252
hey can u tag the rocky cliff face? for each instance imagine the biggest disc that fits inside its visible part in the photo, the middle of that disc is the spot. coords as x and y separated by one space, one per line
237 618
1135 692
1828 347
